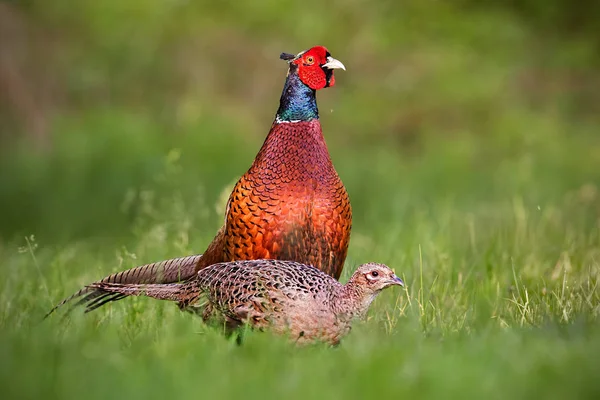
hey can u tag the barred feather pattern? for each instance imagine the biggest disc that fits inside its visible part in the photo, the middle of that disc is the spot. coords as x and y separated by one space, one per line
173 270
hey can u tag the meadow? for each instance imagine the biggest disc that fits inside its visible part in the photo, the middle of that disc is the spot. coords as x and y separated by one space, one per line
472 162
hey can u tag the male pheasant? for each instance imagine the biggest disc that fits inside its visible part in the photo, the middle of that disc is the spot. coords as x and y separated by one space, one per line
290 204
287 297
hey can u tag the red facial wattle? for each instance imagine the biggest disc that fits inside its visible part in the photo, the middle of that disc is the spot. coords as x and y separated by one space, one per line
315 68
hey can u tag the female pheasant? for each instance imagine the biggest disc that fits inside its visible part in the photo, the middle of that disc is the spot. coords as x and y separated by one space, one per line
290 204
285 296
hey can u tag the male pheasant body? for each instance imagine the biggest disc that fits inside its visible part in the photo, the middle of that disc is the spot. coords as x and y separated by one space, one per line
290 204
287 297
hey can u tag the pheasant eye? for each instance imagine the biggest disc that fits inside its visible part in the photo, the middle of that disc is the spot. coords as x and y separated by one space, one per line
375 274
310 60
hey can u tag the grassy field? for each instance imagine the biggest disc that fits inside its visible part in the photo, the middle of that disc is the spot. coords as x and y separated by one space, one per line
501 298
468 140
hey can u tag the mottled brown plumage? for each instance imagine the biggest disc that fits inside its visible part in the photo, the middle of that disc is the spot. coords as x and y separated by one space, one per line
287 297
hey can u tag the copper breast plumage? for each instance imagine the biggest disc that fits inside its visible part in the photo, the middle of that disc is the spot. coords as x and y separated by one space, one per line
291 204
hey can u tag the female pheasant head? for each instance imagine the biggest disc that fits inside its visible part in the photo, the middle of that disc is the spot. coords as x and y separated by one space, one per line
374 277
314 67
355 297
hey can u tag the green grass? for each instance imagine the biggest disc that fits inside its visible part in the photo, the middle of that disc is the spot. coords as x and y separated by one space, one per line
501 300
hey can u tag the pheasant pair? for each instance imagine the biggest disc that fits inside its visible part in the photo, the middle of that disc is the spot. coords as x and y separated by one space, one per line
290 205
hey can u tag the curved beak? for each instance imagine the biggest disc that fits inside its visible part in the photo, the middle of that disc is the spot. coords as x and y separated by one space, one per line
332 63
396 281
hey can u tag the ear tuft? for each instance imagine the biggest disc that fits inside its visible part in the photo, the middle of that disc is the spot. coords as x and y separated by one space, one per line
287 56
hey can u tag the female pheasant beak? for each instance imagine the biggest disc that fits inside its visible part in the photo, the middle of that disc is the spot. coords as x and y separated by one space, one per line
332 63
394 280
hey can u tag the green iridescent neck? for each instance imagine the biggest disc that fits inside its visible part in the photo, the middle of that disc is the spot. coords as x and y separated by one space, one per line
298 101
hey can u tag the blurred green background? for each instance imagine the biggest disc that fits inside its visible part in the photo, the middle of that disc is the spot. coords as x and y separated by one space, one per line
94 95
467 134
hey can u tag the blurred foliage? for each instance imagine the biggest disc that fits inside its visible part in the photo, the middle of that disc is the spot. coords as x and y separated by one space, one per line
96 94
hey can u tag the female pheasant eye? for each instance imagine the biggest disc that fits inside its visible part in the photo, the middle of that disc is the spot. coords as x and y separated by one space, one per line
375 274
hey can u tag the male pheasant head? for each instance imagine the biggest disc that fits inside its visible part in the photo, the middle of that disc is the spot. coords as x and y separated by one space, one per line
314 67
374 277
